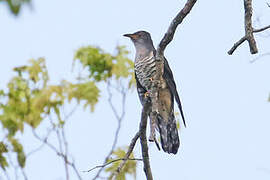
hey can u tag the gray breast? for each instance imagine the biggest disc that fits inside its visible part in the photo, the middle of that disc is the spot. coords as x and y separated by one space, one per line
145 69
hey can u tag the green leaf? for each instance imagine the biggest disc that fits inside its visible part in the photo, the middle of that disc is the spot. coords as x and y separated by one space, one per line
87 92
3 148
98 62
15 5
129 167
102 66
18 148
3 162
21 159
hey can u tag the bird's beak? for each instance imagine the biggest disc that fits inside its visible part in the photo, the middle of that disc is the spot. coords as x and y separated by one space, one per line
132 36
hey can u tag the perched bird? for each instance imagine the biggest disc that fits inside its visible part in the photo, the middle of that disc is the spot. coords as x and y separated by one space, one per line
145 69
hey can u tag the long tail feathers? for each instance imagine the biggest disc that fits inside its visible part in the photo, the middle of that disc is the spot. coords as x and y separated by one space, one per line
168 134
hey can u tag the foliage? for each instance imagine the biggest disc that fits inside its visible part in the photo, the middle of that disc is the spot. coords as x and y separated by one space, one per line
15 5
102 66
30 99
129 167
3 161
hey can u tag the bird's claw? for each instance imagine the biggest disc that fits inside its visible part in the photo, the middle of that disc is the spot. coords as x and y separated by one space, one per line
146 94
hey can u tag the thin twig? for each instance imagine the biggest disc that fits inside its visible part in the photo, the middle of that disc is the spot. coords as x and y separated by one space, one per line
119 118
40 146
238 43
112 161
24 174
130 150
261 29
52 147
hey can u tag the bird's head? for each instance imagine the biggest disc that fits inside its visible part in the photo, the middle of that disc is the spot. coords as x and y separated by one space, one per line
141 39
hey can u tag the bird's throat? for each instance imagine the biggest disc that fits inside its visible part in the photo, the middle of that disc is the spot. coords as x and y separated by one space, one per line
142 53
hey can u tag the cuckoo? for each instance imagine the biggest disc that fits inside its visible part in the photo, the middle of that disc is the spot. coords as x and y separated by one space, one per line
145 69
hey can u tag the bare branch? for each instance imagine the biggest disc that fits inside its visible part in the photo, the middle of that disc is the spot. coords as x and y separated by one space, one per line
147 169
24 174
112 161
248 27
167 38
243 39
52 147
130 150
238 43
261 29
15 167
249 31
119 118
40 146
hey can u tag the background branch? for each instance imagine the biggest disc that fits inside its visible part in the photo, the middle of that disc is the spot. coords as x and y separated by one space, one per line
167 38
112 161
243 39
248 30
248 27
119 118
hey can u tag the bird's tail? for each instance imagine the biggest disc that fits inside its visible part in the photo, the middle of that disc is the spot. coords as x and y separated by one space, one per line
168 134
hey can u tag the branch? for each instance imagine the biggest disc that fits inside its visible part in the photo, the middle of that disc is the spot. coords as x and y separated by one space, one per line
167 38
112 161
261 29
52 147
248 27
130 149
124 160
243 39
249 31
41 145
147 169
119 118
157 79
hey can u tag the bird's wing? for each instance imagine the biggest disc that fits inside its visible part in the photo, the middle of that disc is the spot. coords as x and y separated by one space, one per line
141 90
168 76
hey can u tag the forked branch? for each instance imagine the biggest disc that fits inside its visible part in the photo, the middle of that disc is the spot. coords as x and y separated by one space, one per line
249 31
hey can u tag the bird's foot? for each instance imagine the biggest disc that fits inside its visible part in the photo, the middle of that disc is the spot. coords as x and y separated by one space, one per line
146 94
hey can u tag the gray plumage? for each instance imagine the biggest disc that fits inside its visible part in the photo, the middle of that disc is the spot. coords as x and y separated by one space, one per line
145 69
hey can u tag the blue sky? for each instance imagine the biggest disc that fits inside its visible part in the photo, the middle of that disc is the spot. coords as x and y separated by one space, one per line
224 97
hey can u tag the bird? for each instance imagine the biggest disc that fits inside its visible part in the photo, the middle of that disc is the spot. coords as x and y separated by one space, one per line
145 69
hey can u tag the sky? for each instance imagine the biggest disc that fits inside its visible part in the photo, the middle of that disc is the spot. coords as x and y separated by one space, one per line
224 97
